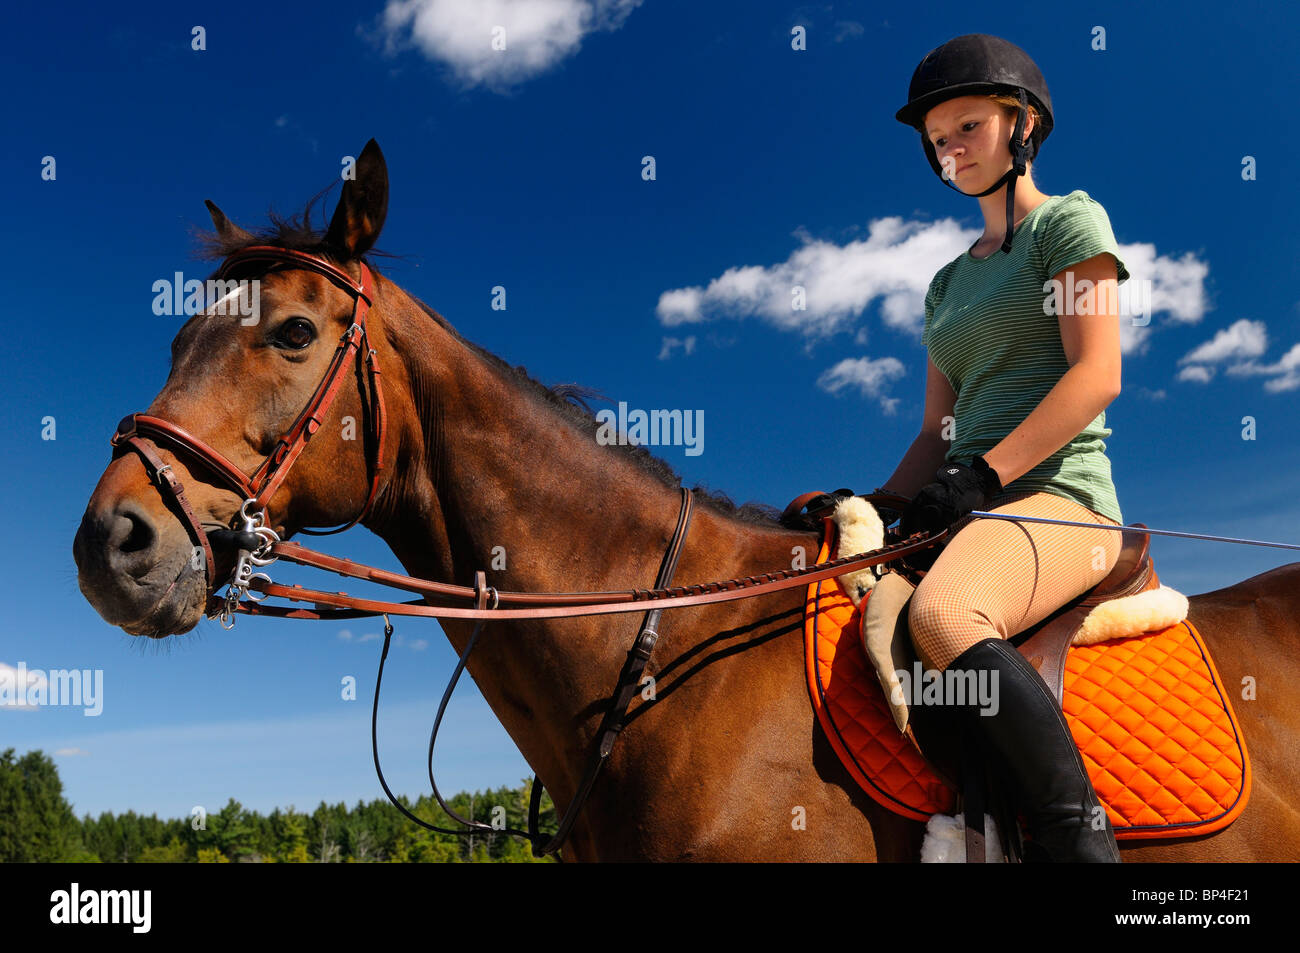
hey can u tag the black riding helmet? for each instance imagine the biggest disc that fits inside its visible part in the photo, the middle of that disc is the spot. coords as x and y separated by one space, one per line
976 64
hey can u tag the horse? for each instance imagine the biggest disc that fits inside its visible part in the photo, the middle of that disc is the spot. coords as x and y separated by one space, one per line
724 760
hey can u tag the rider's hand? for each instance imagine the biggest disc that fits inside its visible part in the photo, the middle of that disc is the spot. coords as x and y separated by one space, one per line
957 490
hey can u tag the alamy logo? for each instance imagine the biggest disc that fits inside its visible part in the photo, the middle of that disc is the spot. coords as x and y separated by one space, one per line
948 687
22 687
656 428
215 296
1131 300
134 907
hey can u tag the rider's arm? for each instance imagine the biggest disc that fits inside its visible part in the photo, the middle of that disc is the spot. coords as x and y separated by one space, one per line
1090 337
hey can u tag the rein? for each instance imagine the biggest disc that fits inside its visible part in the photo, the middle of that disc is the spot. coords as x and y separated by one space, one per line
258 546
539 605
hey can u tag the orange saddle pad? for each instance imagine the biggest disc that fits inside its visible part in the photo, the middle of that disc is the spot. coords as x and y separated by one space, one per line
1149 714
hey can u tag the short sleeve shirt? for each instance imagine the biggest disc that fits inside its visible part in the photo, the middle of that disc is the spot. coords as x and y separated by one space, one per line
991 327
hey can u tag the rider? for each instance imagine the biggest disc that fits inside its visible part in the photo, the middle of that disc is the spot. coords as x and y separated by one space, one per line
1018 380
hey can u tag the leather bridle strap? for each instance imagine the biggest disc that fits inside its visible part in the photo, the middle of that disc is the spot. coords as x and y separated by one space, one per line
165 478
480 582
302 556
142 432
629 684
379 429
268 477
339 605
136 428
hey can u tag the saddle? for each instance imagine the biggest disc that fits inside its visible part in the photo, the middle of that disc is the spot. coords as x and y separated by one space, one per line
1046 643
1146 708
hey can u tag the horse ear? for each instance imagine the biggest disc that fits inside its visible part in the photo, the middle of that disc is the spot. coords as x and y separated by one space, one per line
363 206
227 230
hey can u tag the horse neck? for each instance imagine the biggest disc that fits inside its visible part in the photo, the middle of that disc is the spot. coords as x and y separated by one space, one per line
490 476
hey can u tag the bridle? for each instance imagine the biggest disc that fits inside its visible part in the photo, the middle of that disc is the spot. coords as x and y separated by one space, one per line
259 546
142 432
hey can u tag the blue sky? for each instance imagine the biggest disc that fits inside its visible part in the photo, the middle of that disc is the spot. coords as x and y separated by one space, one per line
772 165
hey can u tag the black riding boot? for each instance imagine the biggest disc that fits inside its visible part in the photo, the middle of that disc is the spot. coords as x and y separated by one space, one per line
1031 743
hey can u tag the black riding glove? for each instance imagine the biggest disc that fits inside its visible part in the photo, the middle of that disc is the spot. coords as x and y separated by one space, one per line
957 490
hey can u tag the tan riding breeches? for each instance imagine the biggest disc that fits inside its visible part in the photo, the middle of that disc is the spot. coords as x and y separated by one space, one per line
996 578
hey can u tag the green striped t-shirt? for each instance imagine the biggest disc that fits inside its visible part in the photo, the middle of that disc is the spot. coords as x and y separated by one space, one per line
986 330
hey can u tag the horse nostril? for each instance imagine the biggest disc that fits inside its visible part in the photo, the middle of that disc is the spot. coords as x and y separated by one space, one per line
131 537
140 535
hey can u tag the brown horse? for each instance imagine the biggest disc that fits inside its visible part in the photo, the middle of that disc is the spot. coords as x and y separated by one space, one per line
726 761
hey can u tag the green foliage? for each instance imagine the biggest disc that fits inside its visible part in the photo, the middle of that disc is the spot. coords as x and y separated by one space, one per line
173 853
36 824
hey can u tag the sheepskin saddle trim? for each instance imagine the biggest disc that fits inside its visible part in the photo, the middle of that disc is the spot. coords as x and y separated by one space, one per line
859 530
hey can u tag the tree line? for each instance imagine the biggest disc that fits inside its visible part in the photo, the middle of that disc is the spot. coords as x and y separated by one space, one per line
38 825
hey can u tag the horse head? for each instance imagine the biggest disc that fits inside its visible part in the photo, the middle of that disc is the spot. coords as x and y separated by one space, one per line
242 434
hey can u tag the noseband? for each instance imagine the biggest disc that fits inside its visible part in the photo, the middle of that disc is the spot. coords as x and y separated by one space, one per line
144 433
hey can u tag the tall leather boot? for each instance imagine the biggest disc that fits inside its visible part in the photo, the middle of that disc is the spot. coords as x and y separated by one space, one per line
1032 747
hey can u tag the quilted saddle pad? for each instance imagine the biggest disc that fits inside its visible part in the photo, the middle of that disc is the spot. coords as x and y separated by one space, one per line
1149 714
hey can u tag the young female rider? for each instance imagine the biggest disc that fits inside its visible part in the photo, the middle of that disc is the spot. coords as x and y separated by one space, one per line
1017 384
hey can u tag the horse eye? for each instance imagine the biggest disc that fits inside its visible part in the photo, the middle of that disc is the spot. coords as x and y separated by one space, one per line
295 334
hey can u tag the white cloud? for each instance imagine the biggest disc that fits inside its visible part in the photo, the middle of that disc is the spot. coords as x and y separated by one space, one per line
824 288
1177 285
671 344
15 685
1242 343
683 306
1289 362
871 377
463 34
893 265
1133 339
1285 372
70 752
892 268
1195 372
1242 339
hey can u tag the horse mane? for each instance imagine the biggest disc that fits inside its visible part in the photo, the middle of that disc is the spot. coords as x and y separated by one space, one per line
297 233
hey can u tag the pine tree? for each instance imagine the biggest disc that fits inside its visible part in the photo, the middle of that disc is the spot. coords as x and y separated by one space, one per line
36 823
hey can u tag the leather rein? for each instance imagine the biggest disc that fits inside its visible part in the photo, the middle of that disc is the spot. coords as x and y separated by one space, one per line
258 545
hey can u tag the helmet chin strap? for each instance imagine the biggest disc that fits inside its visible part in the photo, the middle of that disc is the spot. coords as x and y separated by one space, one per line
1019 162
